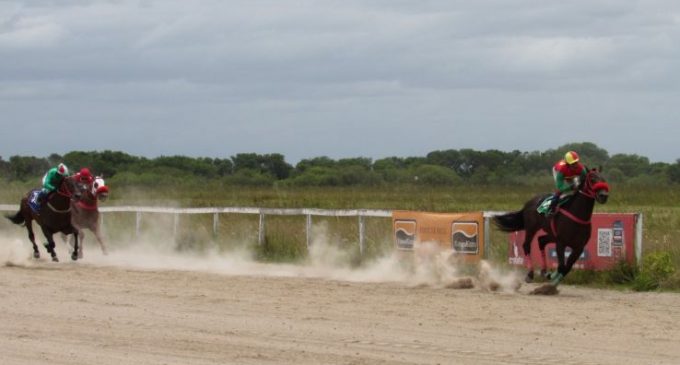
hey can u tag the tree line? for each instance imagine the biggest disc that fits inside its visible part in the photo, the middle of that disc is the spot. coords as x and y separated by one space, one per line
442 167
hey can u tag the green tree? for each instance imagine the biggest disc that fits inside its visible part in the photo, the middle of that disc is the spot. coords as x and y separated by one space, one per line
629 165
674 172
24 168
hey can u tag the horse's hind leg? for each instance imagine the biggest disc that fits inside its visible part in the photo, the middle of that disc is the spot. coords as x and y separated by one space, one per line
31 236
529 235
543 241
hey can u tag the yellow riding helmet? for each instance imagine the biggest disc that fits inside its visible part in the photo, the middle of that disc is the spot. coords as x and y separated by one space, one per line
571 157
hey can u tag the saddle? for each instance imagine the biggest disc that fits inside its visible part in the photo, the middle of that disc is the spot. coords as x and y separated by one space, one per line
545 203
33 202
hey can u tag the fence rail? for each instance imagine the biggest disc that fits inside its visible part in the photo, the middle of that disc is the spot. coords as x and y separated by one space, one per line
261 212
361 214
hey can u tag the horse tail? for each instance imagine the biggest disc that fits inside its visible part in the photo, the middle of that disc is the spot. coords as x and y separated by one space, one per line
17 218
510 222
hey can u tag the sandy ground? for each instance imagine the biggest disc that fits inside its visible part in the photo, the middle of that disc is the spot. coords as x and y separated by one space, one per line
147 307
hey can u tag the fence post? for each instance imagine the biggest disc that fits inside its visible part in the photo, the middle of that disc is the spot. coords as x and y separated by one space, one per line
216 220
308 230
261 229
638 240
361 234
487 238
138 222
174 226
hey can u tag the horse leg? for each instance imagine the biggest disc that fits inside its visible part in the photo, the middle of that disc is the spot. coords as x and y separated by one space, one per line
31 236
571 260
76 233
526 246
81 237
557 277
50 244
98 235
543 241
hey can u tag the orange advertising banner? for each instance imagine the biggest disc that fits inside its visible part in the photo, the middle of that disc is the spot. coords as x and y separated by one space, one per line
461 232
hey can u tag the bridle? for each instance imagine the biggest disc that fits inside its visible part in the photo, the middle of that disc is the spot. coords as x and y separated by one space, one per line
589 189
64 191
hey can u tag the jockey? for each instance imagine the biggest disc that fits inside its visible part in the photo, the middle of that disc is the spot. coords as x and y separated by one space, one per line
84 176
567 173
51 181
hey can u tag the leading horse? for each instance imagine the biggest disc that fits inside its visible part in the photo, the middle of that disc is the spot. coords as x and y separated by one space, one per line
54 215
569 226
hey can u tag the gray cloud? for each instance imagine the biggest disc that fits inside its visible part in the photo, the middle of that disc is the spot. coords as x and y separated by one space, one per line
338 78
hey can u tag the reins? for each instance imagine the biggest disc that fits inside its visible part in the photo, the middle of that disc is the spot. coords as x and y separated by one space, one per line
65 192
589 190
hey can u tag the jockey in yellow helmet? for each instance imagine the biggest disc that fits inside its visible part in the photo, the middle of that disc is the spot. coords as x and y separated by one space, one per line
567 173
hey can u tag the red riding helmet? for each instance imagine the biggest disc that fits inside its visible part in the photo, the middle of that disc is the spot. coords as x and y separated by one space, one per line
84 175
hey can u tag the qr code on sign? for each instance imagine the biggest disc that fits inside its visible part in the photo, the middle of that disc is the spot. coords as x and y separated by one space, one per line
605 237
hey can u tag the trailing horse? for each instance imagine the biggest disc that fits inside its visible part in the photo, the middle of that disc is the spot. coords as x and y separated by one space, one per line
85 214
569 226
54 215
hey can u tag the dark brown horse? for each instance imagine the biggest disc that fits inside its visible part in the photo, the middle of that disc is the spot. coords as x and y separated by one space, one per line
569 226
54 215
85 213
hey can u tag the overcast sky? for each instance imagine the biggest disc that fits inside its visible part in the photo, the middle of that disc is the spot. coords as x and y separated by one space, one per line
343 78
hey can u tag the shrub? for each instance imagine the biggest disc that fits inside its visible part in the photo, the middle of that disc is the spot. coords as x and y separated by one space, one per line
622 273
657 267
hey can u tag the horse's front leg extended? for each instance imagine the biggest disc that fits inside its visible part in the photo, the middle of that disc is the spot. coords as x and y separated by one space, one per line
50 244
74 255
98 235
571 260
561 267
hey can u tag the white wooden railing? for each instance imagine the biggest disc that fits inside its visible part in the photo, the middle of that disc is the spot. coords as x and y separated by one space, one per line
361 214
261 212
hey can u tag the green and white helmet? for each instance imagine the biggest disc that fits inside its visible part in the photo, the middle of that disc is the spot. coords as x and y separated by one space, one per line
62 170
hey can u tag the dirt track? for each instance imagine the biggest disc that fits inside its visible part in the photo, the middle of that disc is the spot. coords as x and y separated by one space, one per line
80 313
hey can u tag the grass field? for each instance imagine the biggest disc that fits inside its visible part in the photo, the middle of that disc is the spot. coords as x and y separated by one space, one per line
285 236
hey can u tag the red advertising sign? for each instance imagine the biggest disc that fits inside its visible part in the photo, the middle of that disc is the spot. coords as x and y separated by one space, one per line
612 239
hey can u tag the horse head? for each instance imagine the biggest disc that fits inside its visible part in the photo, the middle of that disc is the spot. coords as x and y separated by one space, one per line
595 186
71 188
99 188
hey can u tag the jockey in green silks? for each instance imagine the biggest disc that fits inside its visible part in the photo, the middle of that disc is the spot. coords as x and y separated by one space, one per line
51 181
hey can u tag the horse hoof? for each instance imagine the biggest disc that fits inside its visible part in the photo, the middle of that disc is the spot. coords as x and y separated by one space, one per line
36 255
529 278
55 259
545 274
74 257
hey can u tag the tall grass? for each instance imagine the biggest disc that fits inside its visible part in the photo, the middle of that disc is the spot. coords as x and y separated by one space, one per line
285 236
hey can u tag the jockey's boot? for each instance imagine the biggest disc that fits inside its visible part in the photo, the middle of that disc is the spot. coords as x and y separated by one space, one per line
40 199
553 205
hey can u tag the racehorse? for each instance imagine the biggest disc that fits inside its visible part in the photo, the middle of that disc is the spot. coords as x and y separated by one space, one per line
85 213
569 226
54 215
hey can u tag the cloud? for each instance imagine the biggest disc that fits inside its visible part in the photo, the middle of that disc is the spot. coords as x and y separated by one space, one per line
263 67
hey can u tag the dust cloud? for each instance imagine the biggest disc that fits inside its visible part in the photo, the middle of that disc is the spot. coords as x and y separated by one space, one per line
427 266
